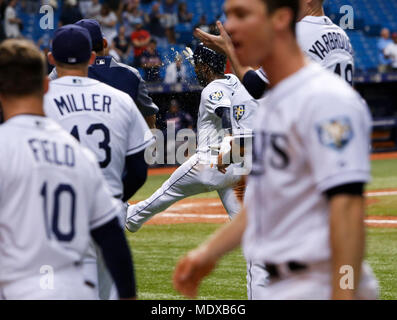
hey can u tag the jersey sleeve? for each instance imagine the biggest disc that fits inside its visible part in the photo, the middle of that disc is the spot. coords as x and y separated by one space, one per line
104 206
214 98
140 136
337 139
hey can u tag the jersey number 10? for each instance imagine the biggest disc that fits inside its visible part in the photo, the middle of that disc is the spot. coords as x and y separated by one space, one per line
52 221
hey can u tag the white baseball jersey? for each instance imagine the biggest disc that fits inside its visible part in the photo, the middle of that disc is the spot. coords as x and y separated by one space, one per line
209 125
327 44
305 143
243 109
102 118
51 194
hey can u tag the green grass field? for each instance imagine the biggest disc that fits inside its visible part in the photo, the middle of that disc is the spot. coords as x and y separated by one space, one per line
156 248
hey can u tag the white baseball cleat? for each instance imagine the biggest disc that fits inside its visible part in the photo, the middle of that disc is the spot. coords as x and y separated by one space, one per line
132 226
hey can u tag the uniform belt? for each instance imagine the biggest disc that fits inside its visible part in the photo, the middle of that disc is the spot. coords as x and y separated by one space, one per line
277 271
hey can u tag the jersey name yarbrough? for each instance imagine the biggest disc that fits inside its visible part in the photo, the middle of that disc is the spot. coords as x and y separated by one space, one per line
331 41
69 103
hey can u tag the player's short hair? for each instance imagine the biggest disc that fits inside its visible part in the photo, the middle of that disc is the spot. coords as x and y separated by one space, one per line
22 68
215 60
273 5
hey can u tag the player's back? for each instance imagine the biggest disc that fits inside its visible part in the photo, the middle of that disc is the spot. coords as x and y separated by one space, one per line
47 203
103 119
327 44
216 94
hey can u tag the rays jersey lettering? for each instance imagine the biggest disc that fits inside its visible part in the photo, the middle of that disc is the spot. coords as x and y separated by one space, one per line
327 44
103 119
269 149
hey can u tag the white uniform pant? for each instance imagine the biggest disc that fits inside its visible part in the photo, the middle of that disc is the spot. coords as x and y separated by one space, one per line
96 272
66 284
313 283
191 178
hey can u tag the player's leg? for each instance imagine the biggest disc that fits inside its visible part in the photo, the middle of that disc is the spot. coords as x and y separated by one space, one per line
184 182
229 201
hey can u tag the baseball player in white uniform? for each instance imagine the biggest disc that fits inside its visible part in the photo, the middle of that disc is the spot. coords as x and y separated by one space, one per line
324 42
103 119
52 194
303 221
198 174
319 38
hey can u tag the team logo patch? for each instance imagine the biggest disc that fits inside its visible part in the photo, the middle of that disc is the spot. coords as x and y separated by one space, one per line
238 111
216 96
335 133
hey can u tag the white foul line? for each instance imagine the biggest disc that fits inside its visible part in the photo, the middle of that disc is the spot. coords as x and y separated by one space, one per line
224 216
193 215
381 193
381 221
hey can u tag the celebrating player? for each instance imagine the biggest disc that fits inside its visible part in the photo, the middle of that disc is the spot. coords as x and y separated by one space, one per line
197 174
102 118
305 207
115 74
319 38
52 194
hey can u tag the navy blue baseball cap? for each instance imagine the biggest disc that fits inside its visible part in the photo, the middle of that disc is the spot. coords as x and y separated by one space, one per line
94 29
71 44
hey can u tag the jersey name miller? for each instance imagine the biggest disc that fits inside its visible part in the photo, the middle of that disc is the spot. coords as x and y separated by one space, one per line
331 41
70 103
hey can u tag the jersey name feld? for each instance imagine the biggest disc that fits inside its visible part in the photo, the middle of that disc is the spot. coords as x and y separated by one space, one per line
52 152
70 103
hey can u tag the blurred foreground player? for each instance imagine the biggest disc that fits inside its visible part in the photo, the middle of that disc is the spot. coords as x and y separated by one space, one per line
304 216
52 194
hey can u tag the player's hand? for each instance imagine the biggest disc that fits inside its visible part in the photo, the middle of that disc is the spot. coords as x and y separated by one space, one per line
188 53
191 270
221 166
222 43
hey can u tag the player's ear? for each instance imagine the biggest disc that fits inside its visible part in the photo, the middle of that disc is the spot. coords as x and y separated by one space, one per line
105 43
92 58
51 59
282 19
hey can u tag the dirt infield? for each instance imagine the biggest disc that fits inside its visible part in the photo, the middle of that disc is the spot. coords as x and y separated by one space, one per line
212 211
170 170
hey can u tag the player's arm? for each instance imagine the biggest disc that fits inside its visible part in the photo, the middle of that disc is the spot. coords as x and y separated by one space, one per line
198 263
347 234
135 174
337 147
116 253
